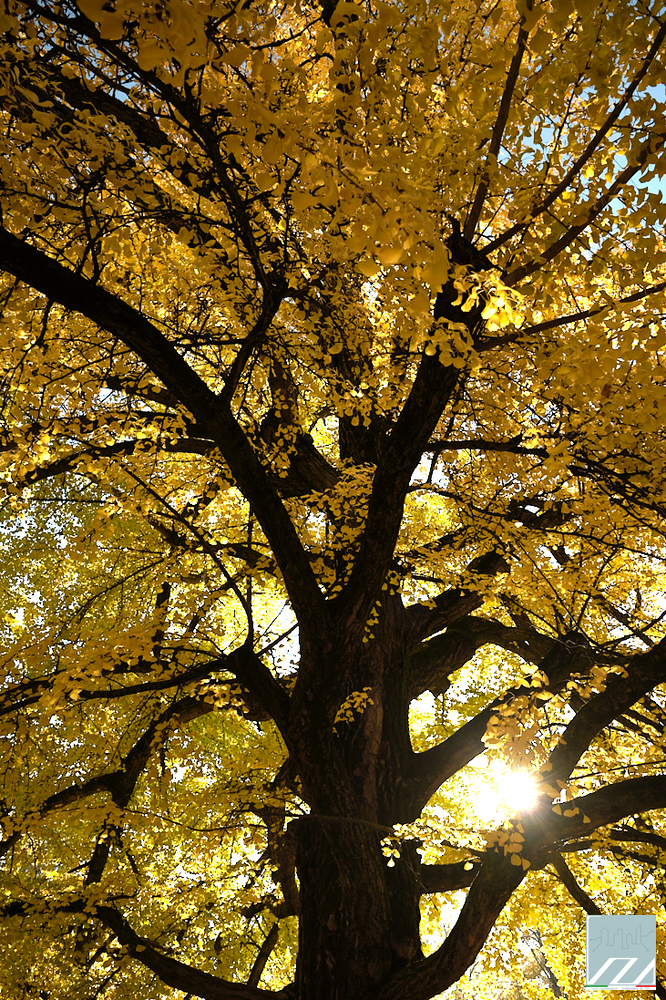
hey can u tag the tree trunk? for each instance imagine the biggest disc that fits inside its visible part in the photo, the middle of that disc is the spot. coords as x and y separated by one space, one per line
359 918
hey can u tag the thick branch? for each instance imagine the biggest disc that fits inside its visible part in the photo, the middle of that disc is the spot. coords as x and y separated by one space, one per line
481 444
69 463
264 698
545 828
453 604
569 882
486 899
176 681
267 947
446 878
29 692
645 671
74 292
489 343
401 453
147 132
255 675
119 783
172 972
433 767
627 834
498 878
434 661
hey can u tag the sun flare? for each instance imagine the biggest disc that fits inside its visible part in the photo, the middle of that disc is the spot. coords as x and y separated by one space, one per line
498 791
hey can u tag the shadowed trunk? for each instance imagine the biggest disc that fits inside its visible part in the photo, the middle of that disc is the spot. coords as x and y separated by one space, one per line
359 919
359 916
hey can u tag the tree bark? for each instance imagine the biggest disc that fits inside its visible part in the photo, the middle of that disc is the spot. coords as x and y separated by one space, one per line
359 918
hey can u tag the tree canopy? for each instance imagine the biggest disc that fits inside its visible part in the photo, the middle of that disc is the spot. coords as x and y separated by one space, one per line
333 484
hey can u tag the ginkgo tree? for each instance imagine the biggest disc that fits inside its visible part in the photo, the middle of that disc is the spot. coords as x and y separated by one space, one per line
333 482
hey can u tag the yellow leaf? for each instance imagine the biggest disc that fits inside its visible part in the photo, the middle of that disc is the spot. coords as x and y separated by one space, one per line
367 267
389 255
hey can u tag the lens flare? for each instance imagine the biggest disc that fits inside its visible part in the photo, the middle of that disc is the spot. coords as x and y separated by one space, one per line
498 791
518 790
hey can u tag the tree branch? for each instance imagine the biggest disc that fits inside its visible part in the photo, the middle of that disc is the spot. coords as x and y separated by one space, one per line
569 882
68 463
267 947
513 446
645 671
592 145
255 675
446 878
74 292
627 834
498 878
453 604
401 453
433 767
545 828
590 213
486 899
498 130
172 972
434 661
119 783
488 343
